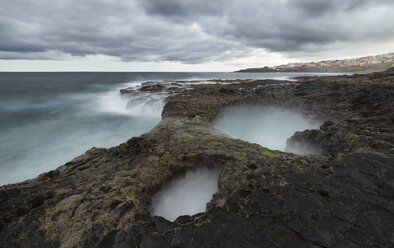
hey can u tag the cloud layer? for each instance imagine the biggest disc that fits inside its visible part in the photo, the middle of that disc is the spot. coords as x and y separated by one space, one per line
186 30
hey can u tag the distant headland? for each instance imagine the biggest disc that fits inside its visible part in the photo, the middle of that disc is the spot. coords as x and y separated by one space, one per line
362 65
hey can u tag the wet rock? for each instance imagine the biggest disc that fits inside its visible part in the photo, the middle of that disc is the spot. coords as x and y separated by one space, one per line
343 198
152 87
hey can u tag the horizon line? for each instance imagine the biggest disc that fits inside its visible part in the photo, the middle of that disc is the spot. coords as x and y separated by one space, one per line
126 71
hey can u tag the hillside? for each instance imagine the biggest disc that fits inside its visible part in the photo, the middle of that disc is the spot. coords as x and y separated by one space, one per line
362 65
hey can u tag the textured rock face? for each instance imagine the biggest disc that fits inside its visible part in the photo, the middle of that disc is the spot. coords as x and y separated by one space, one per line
266 198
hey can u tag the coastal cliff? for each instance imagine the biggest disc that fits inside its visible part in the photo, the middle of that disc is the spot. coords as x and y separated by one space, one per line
341 198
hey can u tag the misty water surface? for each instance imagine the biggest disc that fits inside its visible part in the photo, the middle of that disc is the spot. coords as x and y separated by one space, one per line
47 119
187 195
268 126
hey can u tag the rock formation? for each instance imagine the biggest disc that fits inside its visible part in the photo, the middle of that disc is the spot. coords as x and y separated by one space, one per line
343 198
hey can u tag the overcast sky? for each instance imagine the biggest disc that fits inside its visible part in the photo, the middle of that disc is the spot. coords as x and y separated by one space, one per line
188 35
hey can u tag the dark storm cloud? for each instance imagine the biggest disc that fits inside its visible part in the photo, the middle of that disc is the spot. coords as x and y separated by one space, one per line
292 25
312 8
185 30
184 8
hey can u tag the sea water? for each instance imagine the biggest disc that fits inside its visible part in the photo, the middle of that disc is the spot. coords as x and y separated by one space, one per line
47 119
186 195
269 126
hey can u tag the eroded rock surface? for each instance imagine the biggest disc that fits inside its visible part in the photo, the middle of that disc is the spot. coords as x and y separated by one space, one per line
344 198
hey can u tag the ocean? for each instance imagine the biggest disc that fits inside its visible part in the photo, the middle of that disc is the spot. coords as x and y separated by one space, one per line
48 118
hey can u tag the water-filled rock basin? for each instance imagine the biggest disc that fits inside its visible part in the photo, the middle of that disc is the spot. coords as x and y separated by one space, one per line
186 195
268 126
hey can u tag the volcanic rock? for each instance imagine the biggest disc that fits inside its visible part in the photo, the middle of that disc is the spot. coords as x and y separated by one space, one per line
343 197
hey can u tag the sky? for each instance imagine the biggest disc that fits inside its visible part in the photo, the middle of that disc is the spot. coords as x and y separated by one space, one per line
188 35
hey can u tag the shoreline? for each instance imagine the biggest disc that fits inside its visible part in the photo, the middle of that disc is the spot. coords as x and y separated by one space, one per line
103 197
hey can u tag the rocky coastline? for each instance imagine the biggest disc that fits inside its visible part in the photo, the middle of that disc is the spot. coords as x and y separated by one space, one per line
369 68
367 64
341 198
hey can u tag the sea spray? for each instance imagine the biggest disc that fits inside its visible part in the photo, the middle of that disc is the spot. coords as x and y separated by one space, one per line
40 135
268 126
46 119
141 104
186 195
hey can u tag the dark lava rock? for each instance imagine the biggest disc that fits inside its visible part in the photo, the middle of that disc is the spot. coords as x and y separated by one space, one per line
152 87
343 197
